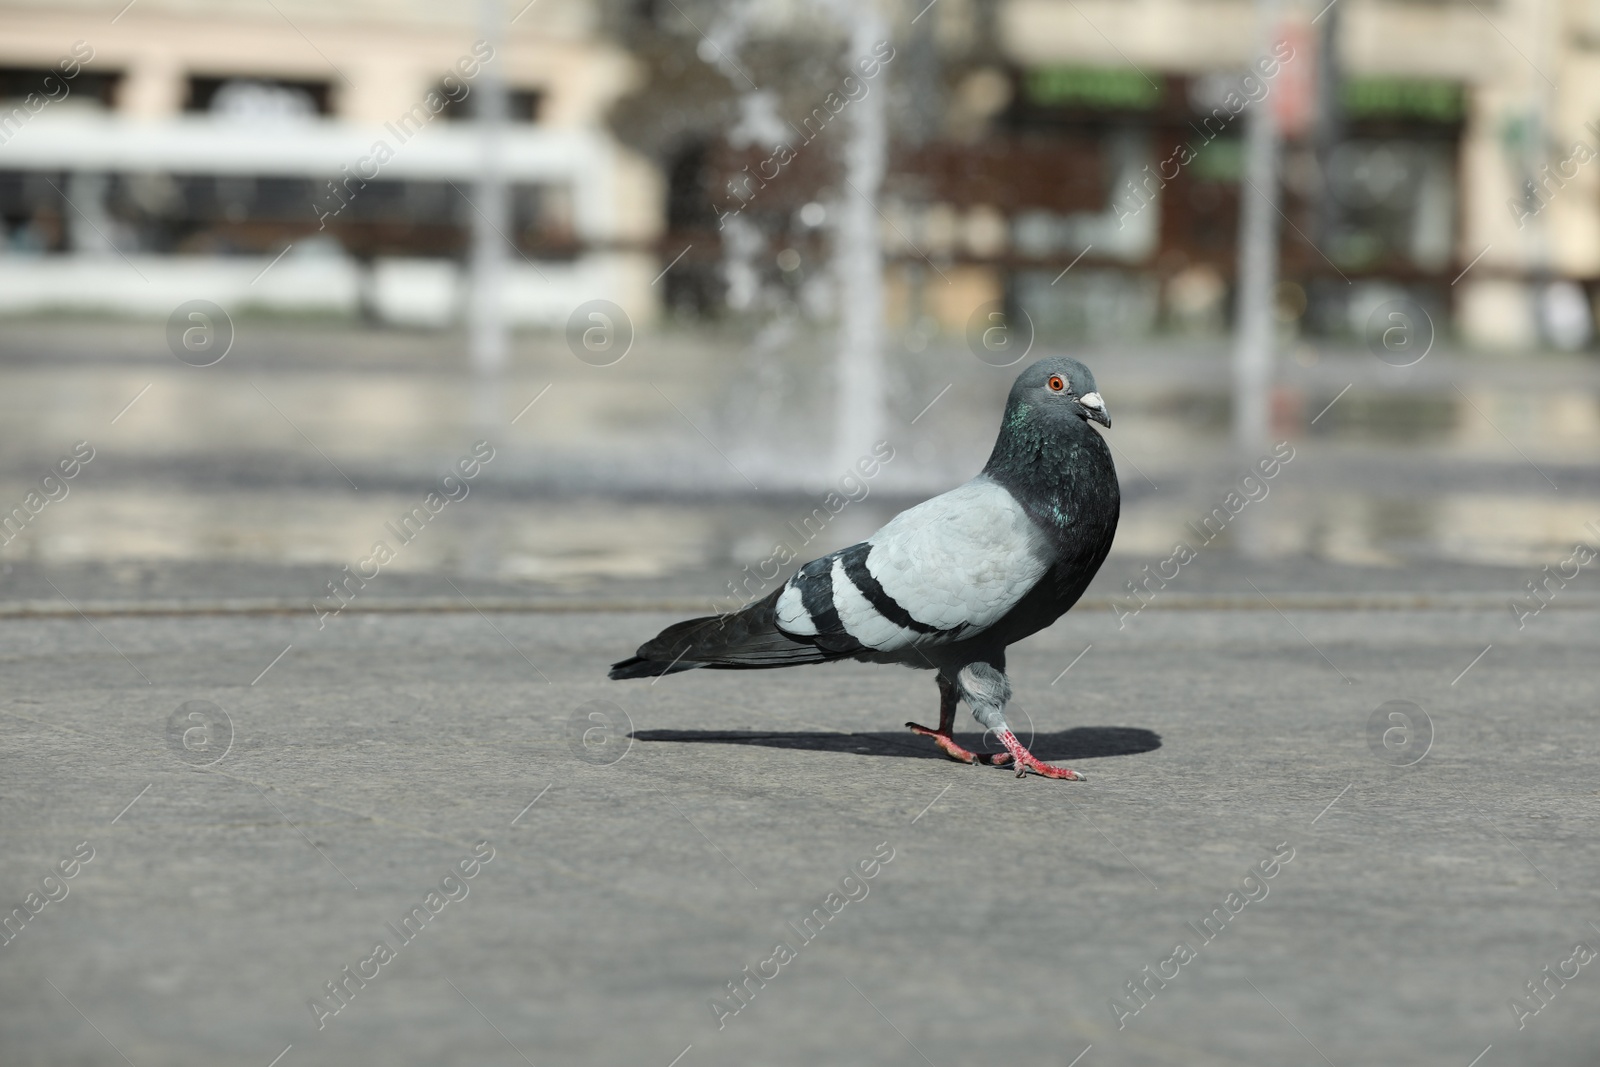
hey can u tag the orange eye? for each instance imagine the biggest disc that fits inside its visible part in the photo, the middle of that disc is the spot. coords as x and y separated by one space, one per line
1056 384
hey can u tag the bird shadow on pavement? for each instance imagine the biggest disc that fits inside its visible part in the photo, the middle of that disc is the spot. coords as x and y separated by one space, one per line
1080 742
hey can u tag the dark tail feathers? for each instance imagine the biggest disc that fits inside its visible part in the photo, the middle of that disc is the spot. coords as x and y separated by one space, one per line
745 640
639 667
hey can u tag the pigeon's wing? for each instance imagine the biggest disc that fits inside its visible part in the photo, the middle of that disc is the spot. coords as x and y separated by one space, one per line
744 640
945 570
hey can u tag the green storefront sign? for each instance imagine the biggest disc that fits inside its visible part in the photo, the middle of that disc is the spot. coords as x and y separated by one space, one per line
1111 88
1403 98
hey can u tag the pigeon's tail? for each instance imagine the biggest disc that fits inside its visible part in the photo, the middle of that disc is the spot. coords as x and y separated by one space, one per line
748 639
639 667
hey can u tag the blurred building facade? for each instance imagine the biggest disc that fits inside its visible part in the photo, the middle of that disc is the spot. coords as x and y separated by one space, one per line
161 151
1459 139
1446 150
1434 149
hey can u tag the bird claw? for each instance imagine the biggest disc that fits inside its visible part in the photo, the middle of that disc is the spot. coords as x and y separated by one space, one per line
1048 771
955 751
1027 761
945 742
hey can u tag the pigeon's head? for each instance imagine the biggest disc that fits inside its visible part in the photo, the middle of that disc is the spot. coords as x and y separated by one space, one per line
1058 390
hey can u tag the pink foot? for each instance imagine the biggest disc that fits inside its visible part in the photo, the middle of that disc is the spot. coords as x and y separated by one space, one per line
955 751
1027 761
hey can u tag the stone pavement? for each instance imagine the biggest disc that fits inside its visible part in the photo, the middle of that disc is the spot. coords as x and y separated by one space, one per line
1299 892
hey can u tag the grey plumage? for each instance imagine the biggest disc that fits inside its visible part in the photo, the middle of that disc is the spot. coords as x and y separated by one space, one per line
948 584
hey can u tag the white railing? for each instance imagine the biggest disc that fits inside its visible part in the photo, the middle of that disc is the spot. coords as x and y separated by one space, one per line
417 290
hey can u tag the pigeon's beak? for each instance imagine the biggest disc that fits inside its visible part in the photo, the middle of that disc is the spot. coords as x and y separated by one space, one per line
1095 408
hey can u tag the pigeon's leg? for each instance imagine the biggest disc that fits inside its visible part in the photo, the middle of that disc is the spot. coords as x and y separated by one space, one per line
987 691
949 697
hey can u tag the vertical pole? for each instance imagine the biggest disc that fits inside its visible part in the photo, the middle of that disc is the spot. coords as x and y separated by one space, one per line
923 84
859 255
1258 260
490 227
1330 125
1545 49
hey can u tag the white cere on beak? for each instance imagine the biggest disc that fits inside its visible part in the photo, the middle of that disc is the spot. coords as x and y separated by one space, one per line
1094 409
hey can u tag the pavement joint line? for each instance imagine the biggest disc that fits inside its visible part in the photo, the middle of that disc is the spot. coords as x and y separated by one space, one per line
1331 602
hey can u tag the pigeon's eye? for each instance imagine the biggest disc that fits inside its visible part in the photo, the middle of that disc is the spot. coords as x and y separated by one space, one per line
1056 384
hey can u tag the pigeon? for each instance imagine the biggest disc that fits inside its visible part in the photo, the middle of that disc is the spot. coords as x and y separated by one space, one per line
948 584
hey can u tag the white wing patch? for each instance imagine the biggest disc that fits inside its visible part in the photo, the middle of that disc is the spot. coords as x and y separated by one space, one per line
962 559
793 618
861 620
